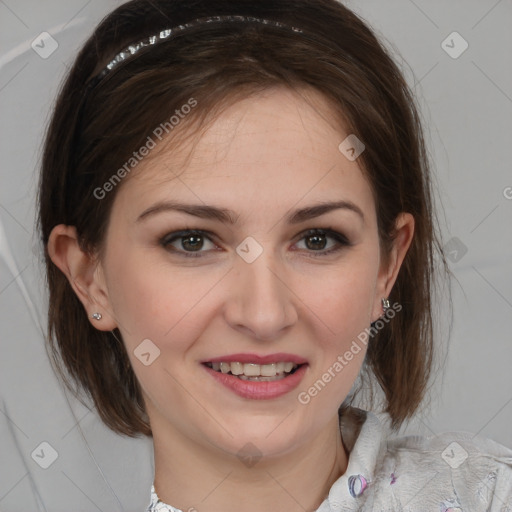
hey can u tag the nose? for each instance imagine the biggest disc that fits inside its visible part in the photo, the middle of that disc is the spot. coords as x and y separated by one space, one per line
261 303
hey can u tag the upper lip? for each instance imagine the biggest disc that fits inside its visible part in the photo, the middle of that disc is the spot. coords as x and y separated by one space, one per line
257 359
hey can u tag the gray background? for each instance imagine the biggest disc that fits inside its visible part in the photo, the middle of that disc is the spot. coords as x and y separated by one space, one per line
467 106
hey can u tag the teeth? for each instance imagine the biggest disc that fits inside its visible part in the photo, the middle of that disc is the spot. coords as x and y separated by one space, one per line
262 379
252 370
244 370
268 370
237 368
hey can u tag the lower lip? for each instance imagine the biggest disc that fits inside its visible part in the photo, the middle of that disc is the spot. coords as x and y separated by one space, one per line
259 390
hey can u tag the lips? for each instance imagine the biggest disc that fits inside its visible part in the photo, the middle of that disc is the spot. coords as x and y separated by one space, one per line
252 371
258 359
255 376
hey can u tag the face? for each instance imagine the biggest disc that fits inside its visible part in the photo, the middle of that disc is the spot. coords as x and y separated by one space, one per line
264 283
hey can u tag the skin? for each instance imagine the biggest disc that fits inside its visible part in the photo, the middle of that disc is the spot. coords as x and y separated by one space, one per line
262 158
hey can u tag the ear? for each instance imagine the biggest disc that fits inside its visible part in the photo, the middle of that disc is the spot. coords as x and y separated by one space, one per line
84 273
388 271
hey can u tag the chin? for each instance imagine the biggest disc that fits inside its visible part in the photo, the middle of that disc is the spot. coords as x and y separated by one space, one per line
269 436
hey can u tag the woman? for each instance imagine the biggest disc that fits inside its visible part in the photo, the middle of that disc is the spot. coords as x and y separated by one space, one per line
236 204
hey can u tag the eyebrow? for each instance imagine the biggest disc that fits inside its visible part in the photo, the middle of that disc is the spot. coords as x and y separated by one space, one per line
227 216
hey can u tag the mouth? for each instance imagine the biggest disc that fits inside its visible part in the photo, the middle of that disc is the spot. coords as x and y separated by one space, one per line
256 376
255 372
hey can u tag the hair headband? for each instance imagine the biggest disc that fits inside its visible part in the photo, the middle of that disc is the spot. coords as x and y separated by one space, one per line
166 33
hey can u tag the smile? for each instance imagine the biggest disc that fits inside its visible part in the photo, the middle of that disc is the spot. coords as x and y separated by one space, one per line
255 372
253 381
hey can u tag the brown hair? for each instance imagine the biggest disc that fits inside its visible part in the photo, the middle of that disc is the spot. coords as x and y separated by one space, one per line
95 130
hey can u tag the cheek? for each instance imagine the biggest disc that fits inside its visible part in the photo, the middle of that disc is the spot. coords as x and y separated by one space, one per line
157 301
343 296
163 306
342 302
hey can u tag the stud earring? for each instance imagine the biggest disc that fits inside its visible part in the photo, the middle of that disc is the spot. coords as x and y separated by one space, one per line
385 304
96 316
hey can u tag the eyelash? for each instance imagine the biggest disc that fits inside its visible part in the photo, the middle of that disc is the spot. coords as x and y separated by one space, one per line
342 241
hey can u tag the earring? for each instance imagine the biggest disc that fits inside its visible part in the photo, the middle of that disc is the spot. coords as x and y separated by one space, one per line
96 316
385 304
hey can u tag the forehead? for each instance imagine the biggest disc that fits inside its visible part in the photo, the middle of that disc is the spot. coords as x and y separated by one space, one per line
274 148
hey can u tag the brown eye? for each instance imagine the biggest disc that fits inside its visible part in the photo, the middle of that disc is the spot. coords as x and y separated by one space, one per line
192 242
316 240
187 242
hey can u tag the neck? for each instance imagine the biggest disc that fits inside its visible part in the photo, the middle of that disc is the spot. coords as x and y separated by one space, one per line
190 477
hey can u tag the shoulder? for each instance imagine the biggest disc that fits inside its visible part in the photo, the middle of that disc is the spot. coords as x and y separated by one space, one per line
451 471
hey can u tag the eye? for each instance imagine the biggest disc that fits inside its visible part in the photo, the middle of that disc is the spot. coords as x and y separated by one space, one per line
190 242
316 241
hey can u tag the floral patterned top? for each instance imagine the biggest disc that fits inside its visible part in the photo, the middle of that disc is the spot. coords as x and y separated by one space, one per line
451 472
